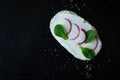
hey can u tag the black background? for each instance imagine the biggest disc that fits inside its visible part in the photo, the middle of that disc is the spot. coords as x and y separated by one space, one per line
29 52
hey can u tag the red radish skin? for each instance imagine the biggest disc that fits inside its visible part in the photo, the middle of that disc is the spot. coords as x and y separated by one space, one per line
96 44
83 30
78 28
69 24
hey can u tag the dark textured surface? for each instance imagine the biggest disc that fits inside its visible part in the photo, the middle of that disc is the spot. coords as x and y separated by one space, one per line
29 52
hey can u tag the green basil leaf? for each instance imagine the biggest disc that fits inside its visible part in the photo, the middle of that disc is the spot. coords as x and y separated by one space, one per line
60 31
90 35
88 53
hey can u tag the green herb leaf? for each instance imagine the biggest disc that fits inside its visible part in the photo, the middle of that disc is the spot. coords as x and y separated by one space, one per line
90 35
88 53
60 31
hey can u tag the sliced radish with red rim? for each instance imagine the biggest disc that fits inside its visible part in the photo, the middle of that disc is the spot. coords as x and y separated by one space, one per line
74 32
82 37
70 26
96 44
78 32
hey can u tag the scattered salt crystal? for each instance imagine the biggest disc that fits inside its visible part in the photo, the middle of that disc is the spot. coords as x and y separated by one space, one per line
109 60
84 4
45 50
71 1
88 75
55 50
89 9
86 66
77 67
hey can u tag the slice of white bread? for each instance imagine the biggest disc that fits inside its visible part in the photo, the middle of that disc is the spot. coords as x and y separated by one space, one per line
74 25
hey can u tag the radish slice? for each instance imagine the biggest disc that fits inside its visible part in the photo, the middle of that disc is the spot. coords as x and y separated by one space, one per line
74 32
70 25
96 44
78 28
82 37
